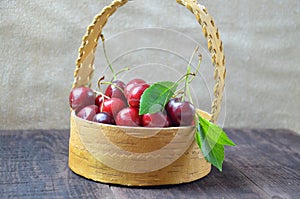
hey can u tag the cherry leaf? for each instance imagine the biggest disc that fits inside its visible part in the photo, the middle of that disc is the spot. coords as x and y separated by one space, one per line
157 96
211 140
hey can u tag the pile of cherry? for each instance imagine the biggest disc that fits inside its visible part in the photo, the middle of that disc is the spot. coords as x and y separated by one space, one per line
120 104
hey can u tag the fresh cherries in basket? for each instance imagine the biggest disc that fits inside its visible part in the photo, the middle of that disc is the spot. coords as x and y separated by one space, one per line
121 105
160 104
136 103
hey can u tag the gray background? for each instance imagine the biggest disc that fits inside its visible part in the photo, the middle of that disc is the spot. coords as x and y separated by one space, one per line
40 40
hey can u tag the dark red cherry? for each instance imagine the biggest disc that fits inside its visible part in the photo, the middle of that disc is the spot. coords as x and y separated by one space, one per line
116 90
81 97
131 84
104 118
128 117
88 112
155 120
181 113
112 106
135 94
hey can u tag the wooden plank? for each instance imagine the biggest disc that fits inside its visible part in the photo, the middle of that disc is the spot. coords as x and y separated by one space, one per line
33 164
228 184
264 164
245 173
270 159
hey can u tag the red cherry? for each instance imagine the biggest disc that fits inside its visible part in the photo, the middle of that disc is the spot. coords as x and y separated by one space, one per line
88 112
135 94
128 117
104 118
116 90
156 120
81 97
181 113
131 84
112 106
99 100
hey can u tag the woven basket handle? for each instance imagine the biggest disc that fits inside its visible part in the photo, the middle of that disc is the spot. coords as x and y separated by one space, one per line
85 61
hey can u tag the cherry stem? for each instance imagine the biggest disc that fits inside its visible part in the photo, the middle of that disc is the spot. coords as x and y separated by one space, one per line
99 82
186 89
198 67
179 92
192 78
113 84
102 94
102 104
181 79
123 70
106 58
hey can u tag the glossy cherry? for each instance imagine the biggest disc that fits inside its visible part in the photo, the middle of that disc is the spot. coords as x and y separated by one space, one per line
99 100
129 117
181 113
116 90
135 94
105 118
88 112
81 97
112 106
131 84
155 120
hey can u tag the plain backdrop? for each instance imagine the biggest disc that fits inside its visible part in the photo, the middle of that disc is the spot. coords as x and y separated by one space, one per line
40 41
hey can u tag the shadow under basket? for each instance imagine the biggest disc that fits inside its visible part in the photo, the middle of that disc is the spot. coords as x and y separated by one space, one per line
139 156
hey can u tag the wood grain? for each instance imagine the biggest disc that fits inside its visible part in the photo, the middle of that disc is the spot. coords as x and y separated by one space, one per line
34 165
264 164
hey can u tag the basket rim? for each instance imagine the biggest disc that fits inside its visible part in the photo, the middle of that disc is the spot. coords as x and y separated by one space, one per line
201 112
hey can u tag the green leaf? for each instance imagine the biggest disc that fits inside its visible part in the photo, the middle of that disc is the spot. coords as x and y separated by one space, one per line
211 140
198 138
156 97
215 132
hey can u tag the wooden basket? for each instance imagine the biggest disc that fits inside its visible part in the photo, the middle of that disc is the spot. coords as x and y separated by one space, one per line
137 156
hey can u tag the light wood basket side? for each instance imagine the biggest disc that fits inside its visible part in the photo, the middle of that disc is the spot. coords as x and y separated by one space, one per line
85 61
190 166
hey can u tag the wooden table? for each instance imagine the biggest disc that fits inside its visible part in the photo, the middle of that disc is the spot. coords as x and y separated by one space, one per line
264 164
